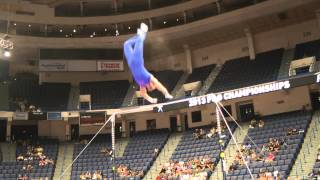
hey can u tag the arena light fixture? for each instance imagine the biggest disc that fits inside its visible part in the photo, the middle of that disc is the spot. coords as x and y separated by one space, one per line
7 53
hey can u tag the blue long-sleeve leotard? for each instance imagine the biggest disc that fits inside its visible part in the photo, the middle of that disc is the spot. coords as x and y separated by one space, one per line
133 50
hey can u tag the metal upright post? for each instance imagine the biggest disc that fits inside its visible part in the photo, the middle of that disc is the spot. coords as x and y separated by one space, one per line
221 142
113 121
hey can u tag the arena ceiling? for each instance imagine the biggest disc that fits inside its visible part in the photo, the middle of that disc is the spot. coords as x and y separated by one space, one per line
169 43
236 31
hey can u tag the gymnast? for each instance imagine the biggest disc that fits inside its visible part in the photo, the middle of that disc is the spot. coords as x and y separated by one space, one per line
133 50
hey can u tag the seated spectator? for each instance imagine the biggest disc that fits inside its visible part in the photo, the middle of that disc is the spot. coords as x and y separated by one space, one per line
292 131
20 158
284 142
270 157
20 177
212 132
196 133
318 157
107 151
253 123
261 123
156 151
42 162
202 133
87 175
82 176
25 177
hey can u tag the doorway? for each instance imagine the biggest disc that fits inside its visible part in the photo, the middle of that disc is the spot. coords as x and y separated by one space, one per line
74 131
132 128
185 118
24 132
173 124
118 129
315 100
3 130
245 111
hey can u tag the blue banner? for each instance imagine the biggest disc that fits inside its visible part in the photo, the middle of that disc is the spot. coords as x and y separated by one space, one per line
54 116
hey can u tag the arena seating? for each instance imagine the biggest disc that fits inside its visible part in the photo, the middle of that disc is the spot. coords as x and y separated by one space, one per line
48 96
276 127
22 86
311 48
53 96
105 94
316 167
244 72
200 73
169 79
11 170
190 148
138 155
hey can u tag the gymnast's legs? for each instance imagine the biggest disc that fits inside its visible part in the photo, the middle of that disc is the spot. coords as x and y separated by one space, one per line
133 49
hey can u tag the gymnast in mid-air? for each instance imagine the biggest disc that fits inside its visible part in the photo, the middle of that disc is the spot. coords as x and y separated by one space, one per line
133 50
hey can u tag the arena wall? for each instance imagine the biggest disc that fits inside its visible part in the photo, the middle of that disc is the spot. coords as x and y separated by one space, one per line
54 129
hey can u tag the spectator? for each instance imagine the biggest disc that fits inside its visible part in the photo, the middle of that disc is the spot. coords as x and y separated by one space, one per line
212 132
253 123
292 131
82 176
25 177
318 157
270 157
156 151
20 177
261 123
284 142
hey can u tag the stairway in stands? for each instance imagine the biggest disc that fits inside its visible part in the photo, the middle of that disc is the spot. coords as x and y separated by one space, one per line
212 76
128 100
230 151
178 88
8 152
164 156
121 145
65 158
287 57
308 153
73 101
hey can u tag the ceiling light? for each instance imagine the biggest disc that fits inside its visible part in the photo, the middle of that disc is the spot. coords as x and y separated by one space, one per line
7 53
5 43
